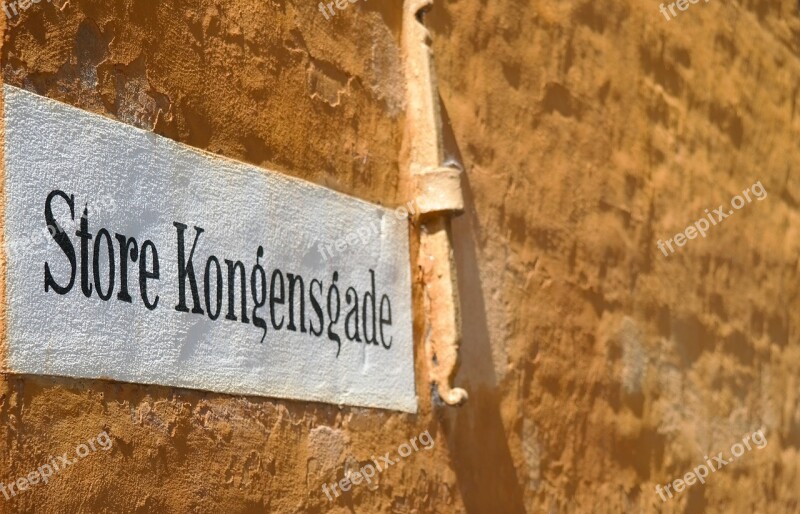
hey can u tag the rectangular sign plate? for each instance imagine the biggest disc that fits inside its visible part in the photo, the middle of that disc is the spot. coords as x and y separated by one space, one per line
135 258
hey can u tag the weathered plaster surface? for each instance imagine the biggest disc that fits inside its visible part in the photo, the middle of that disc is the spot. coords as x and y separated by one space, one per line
596 367
269 84
589 131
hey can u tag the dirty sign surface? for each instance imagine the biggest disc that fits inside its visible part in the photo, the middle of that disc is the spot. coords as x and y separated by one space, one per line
135 258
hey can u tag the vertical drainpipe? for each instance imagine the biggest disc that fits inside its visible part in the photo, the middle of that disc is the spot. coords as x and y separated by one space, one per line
437 193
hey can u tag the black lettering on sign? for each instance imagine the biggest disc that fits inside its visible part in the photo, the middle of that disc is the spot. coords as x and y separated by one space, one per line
98 268
104 269
186 269
62 240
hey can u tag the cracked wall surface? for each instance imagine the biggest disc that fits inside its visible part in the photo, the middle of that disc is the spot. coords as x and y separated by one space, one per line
597 367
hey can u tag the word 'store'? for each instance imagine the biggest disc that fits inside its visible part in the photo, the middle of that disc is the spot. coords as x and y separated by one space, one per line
185 283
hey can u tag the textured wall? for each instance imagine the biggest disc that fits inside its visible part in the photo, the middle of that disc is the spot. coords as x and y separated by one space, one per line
597 367
269 83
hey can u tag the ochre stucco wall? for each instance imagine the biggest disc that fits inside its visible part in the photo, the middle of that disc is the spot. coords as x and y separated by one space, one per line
597 367
590 131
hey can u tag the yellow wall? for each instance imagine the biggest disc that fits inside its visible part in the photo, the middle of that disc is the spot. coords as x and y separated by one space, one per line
597 367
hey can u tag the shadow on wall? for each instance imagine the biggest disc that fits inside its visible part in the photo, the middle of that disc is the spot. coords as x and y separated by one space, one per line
475 433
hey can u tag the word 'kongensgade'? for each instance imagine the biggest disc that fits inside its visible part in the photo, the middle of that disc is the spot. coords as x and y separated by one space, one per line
368 470
695 475
45 471
375 313
702 225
